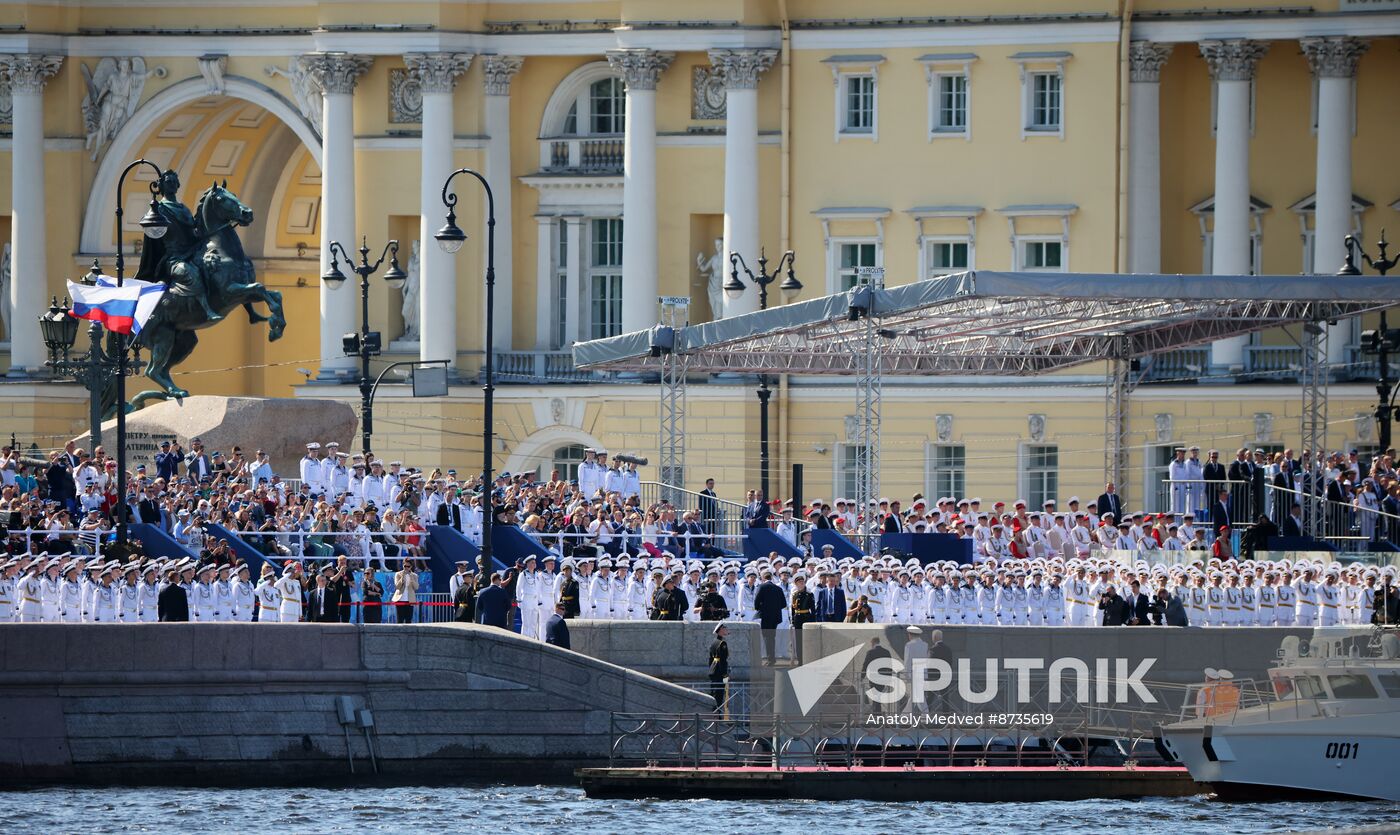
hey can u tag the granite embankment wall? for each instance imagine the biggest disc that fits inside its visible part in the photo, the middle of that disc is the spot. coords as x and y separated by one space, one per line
667 650
249 703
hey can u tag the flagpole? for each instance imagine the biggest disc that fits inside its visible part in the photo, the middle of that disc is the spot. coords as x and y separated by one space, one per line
122 340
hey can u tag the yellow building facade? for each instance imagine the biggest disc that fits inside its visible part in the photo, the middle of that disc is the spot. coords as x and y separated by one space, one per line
631 144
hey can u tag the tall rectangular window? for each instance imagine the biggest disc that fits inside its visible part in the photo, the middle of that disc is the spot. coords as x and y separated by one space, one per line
607 106
848 465
948 470
562 296
853 256
951 113
605 278
1042 473
948 256
859 108
1046 111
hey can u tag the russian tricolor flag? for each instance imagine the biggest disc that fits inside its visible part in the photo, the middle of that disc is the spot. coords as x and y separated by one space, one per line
121 309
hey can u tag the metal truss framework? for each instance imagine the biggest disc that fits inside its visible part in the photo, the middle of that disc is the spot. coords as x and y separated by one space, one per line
671 440
868 422
1314 421
1119 389
989 323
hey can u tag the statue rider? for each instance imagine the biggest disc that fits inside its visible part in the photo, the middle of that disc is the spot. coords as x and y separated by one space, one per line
175 258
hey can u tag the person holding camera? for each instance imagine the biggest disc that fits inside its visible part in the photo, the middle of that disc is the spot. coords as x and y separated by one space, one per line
1115 609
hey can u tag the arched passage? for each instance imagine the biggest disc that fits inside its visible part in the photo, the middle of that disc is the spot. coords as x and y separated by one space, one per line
537 451
98 234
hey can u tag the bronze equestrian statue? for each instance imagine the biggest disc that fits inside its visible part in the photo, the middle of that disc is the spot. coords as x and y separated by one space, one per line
201 260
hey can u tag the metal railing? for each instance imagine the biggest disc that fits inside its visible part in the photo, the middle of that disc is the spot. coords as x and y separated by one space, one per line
1346 525
541 367
1178 366
1277 362
603 154
86 543
727 520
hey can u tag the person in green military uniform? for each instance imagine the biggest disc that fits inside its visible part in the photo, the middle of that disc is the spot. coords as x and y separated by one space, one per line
175 258
804 609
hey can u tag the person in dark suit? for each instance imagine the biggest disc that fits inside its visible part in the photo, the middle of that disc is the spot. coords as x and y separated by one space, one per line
1138 607
147 507
493 604
450 514
770 602
62 488
757 511
168 462
339 585
1111 502
1115 609
831 600
556 629
321 601
709 507
1220 511
894 523
1293 522
173 604
1214 473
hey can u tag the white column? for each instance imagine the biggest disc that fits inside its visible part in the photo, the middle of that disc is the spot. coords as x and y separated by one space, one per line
1144 156
640 69
498 71
336 74
436 74
1232 64
544 282
576 293
1333 62
741 69
26 76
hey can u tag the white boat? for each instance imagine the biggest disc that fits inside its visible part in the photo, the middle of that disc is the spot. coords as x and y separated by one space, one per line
1325 723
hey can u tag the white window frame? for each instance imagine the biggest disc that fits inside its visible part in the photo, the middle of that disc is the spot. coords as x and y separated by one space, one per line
845 68
1018 238
1215 105
937 68
839 470
1316 91
932 470
1307 213
1256 249
1035 64
1056 128
1020 255
833 258
1023 477
592 271
843 131
926 268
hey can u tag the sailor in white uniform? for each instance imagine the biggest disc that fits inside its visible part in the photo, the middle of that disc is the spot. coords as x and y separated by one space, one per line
242 594
267 595
148 595
290 594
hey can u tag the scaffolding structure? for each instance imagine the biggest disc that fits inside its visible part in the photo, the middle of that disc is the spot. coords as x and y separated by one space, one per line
1314 421
868 409
986 323
1119 389
674 314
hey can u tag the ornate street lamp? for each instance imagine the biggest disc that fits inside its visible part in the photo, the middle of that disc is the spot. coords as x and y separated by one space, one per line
366 343
733 289
451 237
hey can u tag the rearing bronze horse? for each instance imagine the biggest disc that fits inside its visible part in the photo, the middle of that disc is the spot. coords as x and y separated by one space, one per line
229 281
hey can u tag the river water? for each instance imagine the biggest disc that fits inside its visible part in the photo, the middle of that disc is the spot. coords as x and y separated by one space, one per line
553 809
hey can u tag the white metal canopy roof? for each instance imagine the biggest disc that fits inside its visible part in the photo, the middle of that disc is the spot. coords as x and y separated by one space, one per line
1002 323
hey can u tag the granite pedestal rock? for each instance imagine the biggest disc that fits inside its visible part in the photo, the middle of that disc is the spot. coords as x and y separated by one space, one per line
280 427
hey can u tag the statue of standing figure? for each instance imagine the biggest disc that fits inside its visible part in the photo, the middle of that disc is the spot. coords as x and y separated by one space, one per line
713 268
411 313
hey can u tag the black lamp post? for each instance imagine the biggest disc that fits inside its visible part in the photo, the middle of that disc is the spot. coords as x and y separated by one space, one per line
366 343
152 226
450 237
94 369
1381 341
734 288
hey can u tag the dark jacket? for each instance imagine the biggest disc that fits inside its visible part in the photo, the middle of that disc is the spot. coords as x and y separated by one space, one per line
61 484
322 605
173 605
719 660
568 595
668 604
804 608
1111 503
1115 610
1291 526
770 603
465 602
1176 612
493 606
556 631
1219 516
1139 607
831 604
713 607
